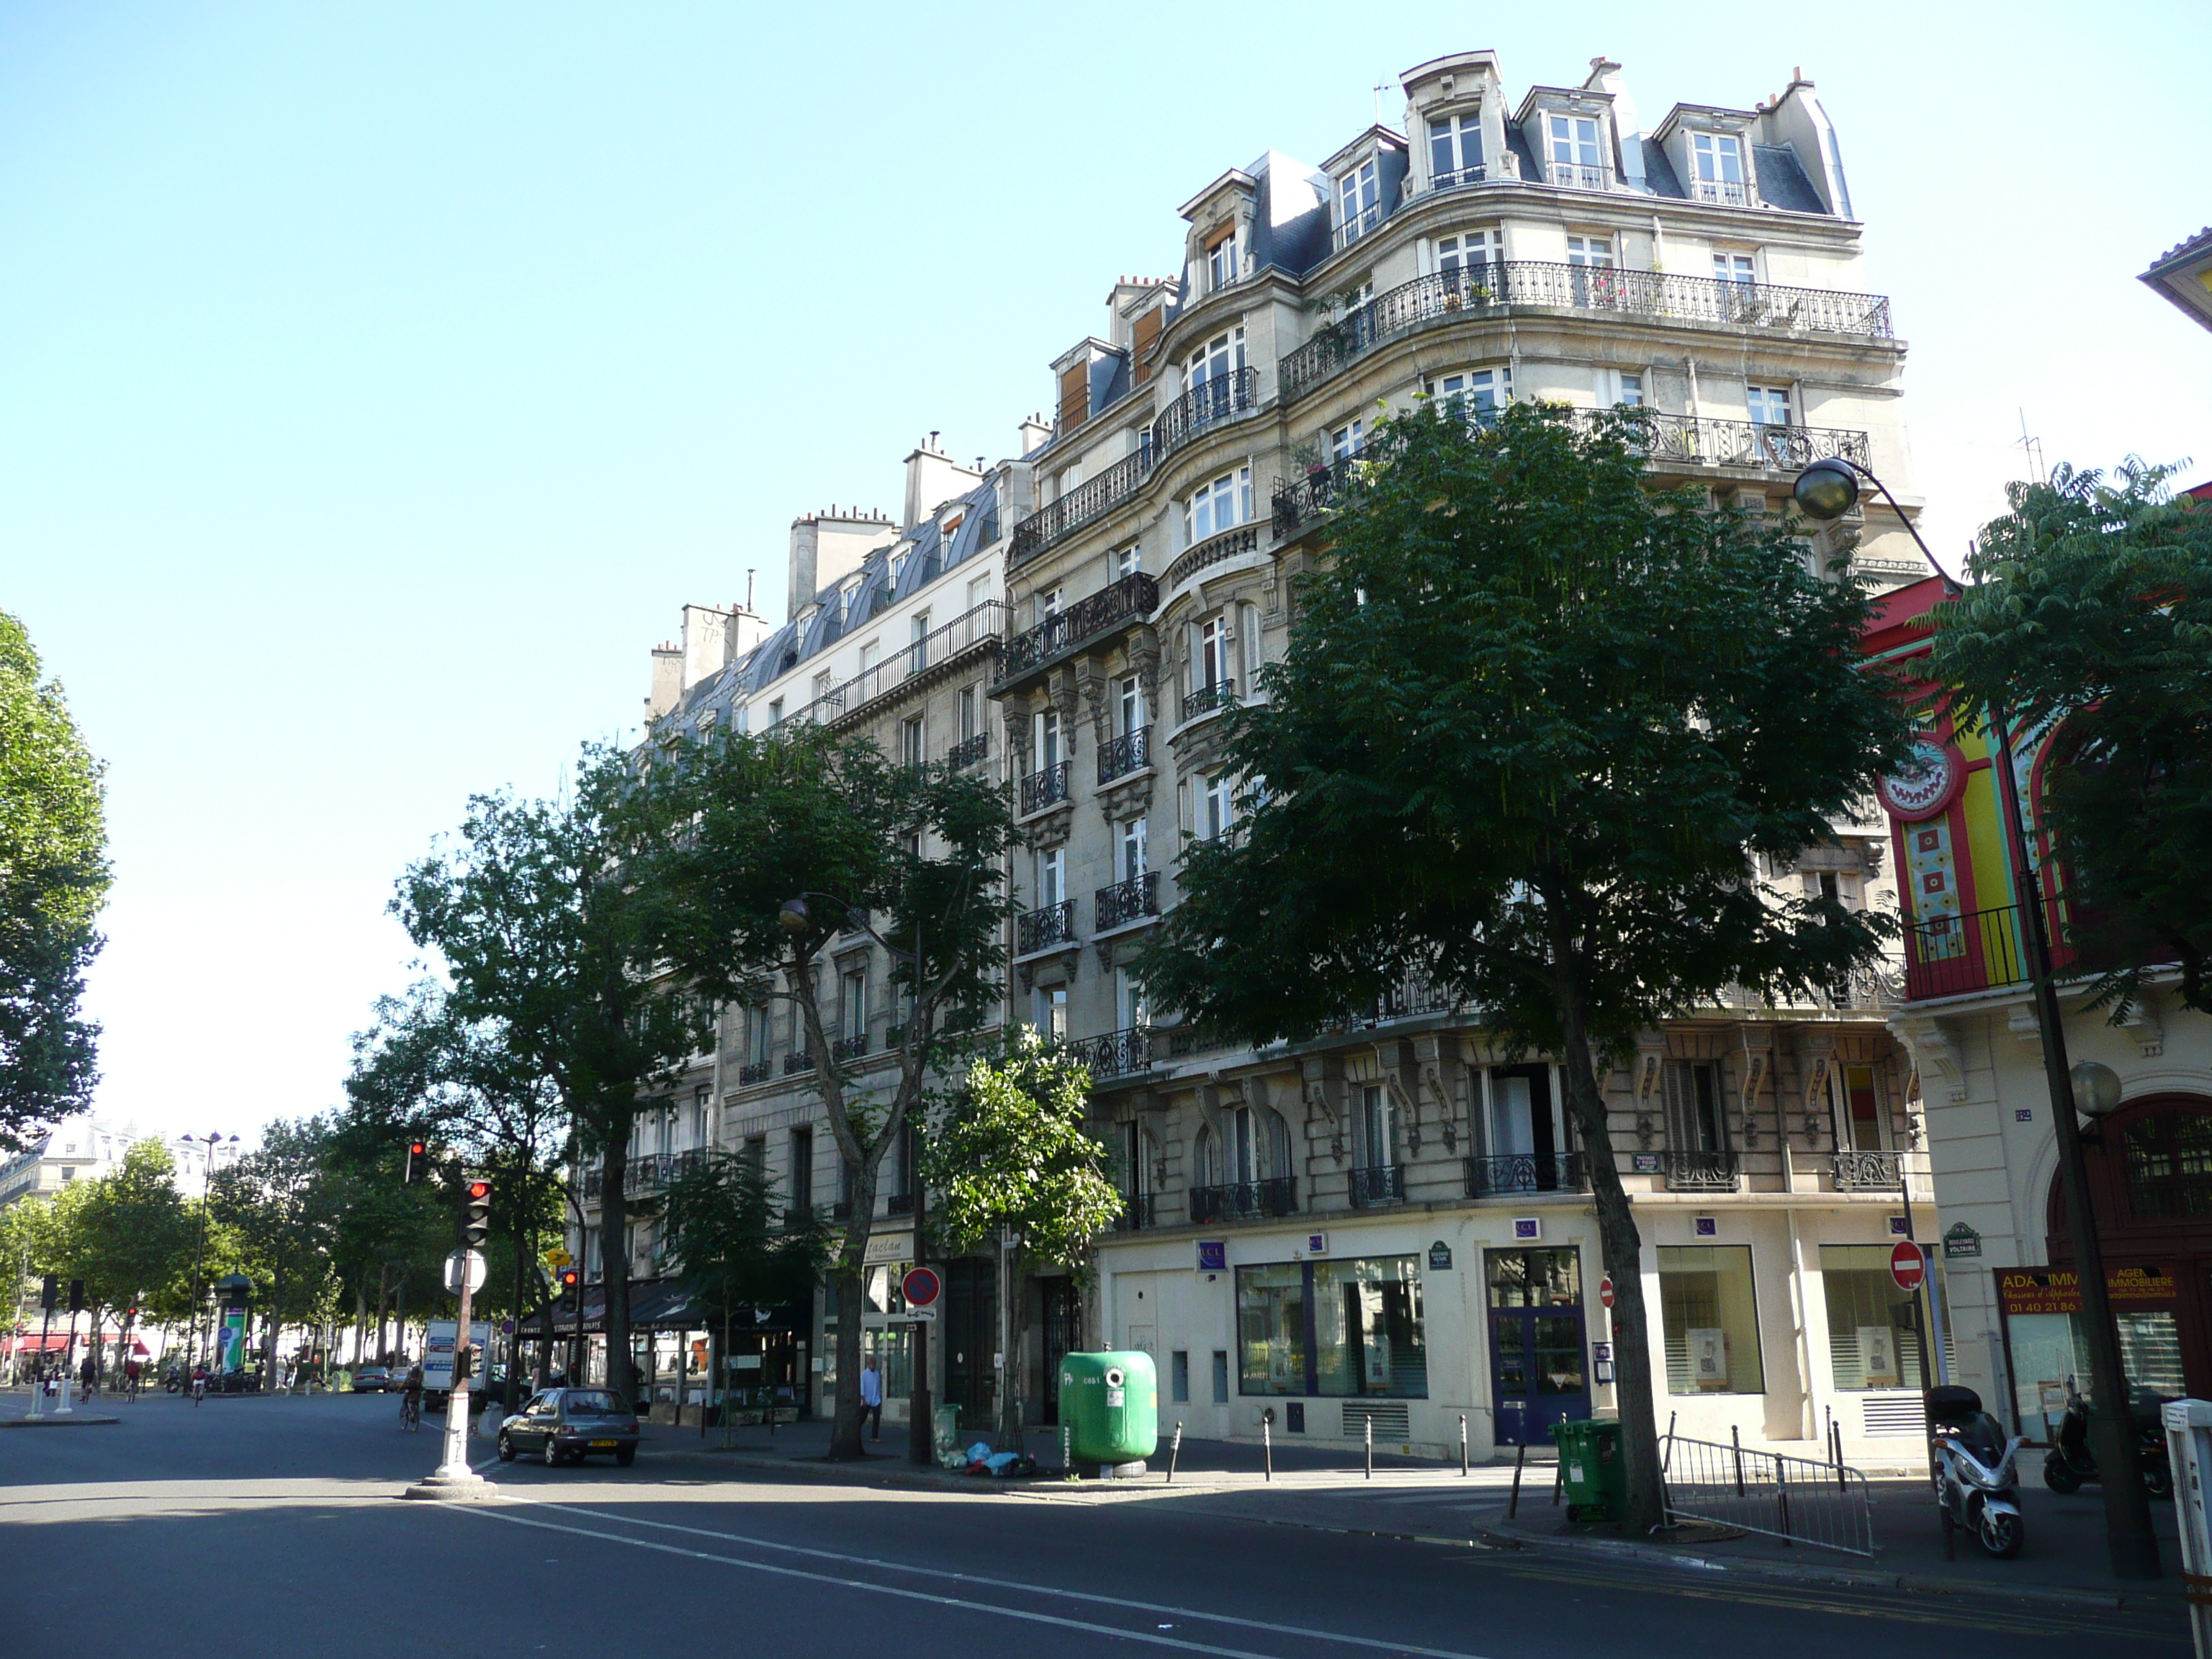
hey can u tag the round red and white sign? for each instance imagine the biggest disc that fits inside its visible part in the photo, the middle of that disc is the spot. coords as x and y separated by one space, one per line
1907 1266
1604 1291
921 1286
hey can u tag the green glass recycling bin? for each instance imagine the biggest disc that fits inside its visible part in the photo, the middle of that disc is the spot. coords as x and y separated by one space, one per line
1591 1469
1110 1403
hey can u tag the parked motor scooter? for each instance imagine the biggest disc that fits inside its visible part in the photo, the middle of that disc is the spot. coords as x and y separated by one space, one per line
2069 1461
1976 1481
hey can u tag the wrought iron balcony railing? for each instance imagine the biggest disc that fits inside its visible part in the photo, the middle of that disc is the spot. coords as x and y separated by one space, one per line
1568 176
1119 757
1413 996
1095 616
1981 951
1090 501
1117 1054
968 750
1207 698
753 1071
1208 404
1379 1183
899 1203
1459 178
794 1064
1525 1172
1047 788
1700 1171
1228 544
849 1048
1727 193
1250 1200
1474 290
1136 1213
1359 225
1127 901
982 624
1045 926
1870 1172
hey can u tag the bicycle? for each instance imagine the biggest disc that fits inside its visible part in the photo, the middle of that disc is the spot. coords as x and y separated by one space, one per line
411 1412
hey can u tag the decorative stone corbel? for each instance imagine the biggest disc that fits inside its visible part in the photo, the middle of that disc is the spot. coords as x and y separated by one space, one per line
1409 1106
1756 1061
1323 1086
1817 1063
1936 1055
1650 1064
2143 1022
1434 1077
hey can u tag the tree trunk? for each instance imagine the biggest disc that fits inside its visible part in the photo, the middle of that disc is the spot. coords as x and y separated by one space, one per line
515 1348
614 1263
852 1283
1622 1250
268 1334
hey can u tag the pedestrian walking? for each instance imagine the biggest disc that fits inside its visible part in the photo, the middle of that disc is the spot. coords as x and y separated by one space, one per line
871 1398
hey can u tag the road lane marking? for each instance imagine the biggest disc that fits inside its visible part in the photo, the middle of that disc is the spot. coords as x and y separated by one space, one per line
980 1581
988 1609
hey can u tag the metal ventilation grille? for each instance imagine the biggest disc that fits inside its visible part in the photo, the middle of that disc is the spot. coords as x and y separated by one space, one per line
1391 1421
1894 1413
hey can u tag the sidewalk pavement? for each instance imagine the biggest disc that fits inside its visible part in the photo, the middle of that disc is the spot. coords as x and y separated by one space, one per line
1420 1500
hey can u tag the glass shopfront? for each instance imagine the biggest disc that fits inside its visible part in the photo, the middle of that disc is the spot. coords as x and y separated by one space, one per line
1873 1341
2048 1355
1330 1328
1710 1316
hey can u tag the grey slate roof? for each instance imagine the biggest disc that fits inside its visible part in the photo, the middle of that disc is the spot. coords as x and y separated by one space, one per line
1782 180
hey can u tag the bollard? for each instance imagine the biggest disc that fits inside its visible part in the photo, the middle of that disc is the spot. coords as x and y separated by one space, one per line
1736 1439
1513 1505
1174 1450
1462 1445
65 1409
1268 1445
1782 1500
1371 1448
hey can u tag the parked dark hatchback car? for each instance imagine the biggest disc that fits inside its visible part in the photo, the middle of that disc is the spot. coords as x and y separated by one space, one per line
569 1424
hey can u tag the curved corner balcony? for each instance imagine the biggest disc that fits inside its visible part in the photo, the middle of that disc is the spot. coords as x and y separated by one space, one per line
1097 617
1087 503
1474 291
1208 403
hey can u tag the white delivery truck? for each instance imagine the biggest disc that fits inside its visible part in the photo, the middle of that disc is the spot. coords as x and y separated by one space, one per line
438 1360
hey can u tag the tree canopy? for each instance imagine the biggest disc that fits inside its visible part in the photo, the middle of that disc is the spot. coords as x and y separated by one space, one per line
1534 723
53 880
2092 610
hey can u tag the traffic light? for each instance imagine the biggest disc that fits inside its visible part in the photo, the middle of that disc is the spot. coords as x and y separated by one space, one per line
476 1227
567 1278
130 1315
49 1290
418 1160
464 1362
77 1296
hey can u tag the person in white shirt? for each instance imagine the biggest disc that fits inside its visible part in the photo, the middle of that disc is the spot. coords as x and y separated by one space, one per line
871 1398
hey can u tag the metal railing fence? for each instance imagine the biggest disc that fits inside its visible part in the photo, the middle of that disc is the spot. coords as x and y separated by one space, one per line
1825 1505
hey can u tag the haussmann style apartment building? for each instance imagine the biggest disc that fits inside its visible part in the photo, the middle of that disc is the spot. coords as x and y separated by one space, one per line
1387 1226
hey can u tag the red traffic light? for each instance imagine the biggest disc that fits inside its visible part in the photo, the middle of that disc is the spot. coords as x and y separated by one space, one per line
479 1191
567 1278
415 1148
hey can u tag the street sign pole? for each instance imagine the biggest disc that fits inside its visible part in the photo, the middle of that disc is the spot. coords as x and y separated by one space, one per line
453 1478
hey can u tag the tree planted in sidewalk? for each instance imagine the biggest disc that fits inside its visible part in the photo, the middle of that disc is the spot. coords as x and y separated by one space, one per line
1011 1166
1534 723
2092 610
767 852
542 914
735 1249
53 880
273 1201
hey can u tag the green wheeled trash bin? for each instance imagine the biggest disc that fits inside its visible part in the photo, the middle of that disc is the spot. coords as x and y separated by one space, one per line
1110 1403
1591 1469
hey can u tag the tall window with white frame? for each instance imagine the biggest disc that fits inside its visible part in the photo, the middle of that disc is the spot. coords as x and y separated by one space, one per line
912 748
1129 1001
1473 395
1716 169
1378 1179
1221 262
1130 701
968 727
1345 442
1211 373
1217 505
1217 809
1045 735
1051 877
1769 405
1359 202
1730 266
1467 255
1631 390
1455 150
1576 161
1129 560
853 1012
1210 663
1132 861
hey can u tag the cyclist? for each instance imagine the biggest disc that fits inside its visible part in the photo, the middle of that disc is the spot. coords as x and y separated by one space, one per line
410 1398
199 1384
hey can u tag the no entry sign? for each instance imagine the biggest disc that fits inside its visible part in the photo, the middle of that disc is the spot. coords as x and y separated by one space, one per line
919 1287
1907 1266
1604 1291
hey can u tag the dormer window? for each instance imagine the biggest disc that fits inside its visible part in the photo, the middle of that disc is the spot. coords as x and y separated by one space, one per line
1717 166
1454 151
1576 159
1359 202
1221 262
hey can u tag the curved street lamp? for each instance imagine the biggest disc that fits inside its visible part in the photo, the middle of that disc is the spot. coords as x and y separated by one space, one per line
210 1142
1826 490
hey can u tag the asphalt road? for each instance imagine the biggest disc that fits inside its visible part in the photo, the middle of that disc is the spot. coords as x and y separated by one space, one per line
276 1525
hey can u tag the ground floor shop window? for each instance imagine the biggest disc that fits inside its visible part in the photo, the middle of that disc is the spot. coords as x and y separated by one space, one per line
1331 1328
2050 1357
1873 1342
1710 1316
892 1349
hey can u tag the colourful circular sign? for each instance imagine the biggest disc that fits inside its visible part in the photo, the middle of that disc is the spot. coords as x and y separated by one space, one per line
1907 1266
1923 786
921 1286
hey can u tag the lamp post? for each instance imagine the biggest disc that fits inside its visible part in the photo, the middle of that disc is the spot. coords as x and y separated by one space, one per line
1826 490
208 1143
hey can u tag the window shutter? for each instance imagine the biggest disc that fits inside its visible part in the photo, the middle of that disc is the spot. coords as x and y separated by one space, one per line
1147 330
1248 649
1075 395
1682 1115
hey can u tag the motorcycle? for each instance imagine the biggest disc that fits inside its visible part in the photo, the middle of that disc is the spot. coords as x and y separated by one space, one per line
2070 1462
1976 1481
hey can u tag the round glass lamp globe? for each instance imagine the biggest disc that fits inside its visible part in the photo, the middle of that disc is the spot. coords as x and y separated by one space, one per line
1825 490
2096 1088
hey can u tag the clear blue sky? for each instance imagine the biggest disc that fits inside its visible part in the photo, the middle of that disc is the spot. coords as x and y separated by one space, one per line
377 380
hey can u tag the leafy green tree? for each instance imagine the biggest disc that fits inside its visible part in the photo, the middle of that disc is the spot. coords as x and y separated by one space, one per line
273 1202
53 880
733 1247
542 915
763 851
1007 1158
128 1232
2092 606
1535 722
425 1070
